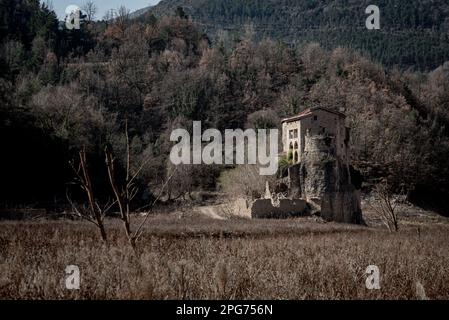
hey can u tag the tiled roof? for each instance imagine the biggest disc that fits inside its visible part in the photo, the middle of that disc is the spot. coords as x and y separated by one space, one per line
309 111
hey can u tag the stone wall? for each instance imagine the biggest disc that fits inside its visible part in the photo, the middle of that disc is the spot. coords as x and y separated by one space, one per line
319 122
264 208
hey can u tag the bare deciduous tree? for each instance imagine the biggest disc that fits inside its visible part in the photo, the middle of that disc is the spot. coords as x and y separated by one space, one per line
126 190
385 206
108 16
181 183
90 10
93 212
245 181
122 17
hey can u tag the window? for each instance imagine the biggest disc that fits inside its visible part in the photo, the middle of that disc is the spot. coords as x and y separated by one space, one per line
296 157
293 134
296 145
315 118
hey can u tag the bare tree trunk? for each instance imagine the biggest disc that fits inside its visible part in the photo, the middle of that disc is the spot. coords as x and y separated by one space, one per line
119 195
95 213
126 192
90 194
385 207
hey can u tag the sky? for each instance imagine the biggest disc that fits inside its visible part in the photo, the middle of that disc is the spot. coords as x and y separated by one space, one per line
59 6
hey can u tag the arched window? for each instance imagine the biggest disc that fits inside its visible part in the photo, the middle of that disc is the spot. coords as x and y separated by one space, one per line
291 145
296 157
296 144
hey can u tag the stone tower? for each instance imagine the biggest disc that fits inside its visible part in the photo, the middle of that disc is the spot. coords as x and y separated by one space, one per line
322 174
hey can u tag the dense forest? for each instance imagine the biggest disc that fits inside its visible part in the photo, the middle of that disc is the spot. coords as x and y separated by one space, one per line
63 91
414 33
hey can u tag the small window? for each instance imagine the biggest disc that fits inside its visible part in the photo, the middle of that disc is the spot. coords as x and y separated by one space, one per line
315 118
295 133
291 134
296 145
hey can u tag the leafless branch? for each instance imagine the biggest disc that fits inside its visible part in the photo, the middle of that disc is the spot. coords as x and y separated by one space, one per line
138 232
385 206
127 190
94 213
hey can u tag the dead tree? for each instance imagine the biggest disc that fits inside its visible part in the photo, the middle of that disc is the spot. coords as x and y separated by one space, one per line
126 190
124 193
385 206
93 212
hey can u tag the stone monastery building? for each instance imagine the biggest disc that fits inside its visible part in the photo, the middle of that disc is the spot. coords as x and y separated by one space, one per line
312 122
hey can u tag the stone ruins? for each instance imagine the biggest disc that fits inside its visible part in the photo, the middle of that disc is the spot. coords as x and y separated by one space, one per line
318 179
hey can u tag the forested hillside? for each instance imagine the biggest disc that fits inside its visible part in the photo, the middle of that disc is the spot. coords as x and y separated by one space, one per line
62 91
413 33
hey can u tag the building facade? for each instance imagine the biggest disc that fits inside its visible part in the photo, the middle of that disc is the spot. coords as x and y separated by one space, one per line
315 122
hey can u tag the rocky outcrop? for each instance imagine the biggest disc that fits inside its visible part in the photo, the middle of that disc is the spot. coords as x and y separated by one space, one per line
325 182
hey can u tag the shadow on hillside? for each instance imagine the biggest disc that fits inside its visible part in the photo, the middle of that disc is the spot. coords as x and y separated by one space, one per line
431 199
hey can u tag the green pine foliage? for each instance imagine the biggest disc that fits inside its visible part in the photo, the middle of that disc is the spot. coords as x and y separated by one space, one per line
413 34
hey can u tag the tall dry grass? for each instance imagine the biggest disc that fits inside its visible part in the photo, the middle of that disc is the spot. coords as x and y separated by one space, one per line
234 259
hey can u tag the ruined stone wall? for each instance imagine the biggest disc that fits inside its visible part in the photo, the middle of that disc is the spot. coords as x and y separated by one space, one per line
264 208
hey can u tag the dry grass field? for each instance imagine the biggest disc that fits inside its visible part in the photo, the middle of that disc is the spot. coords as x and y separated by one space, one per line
193 257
